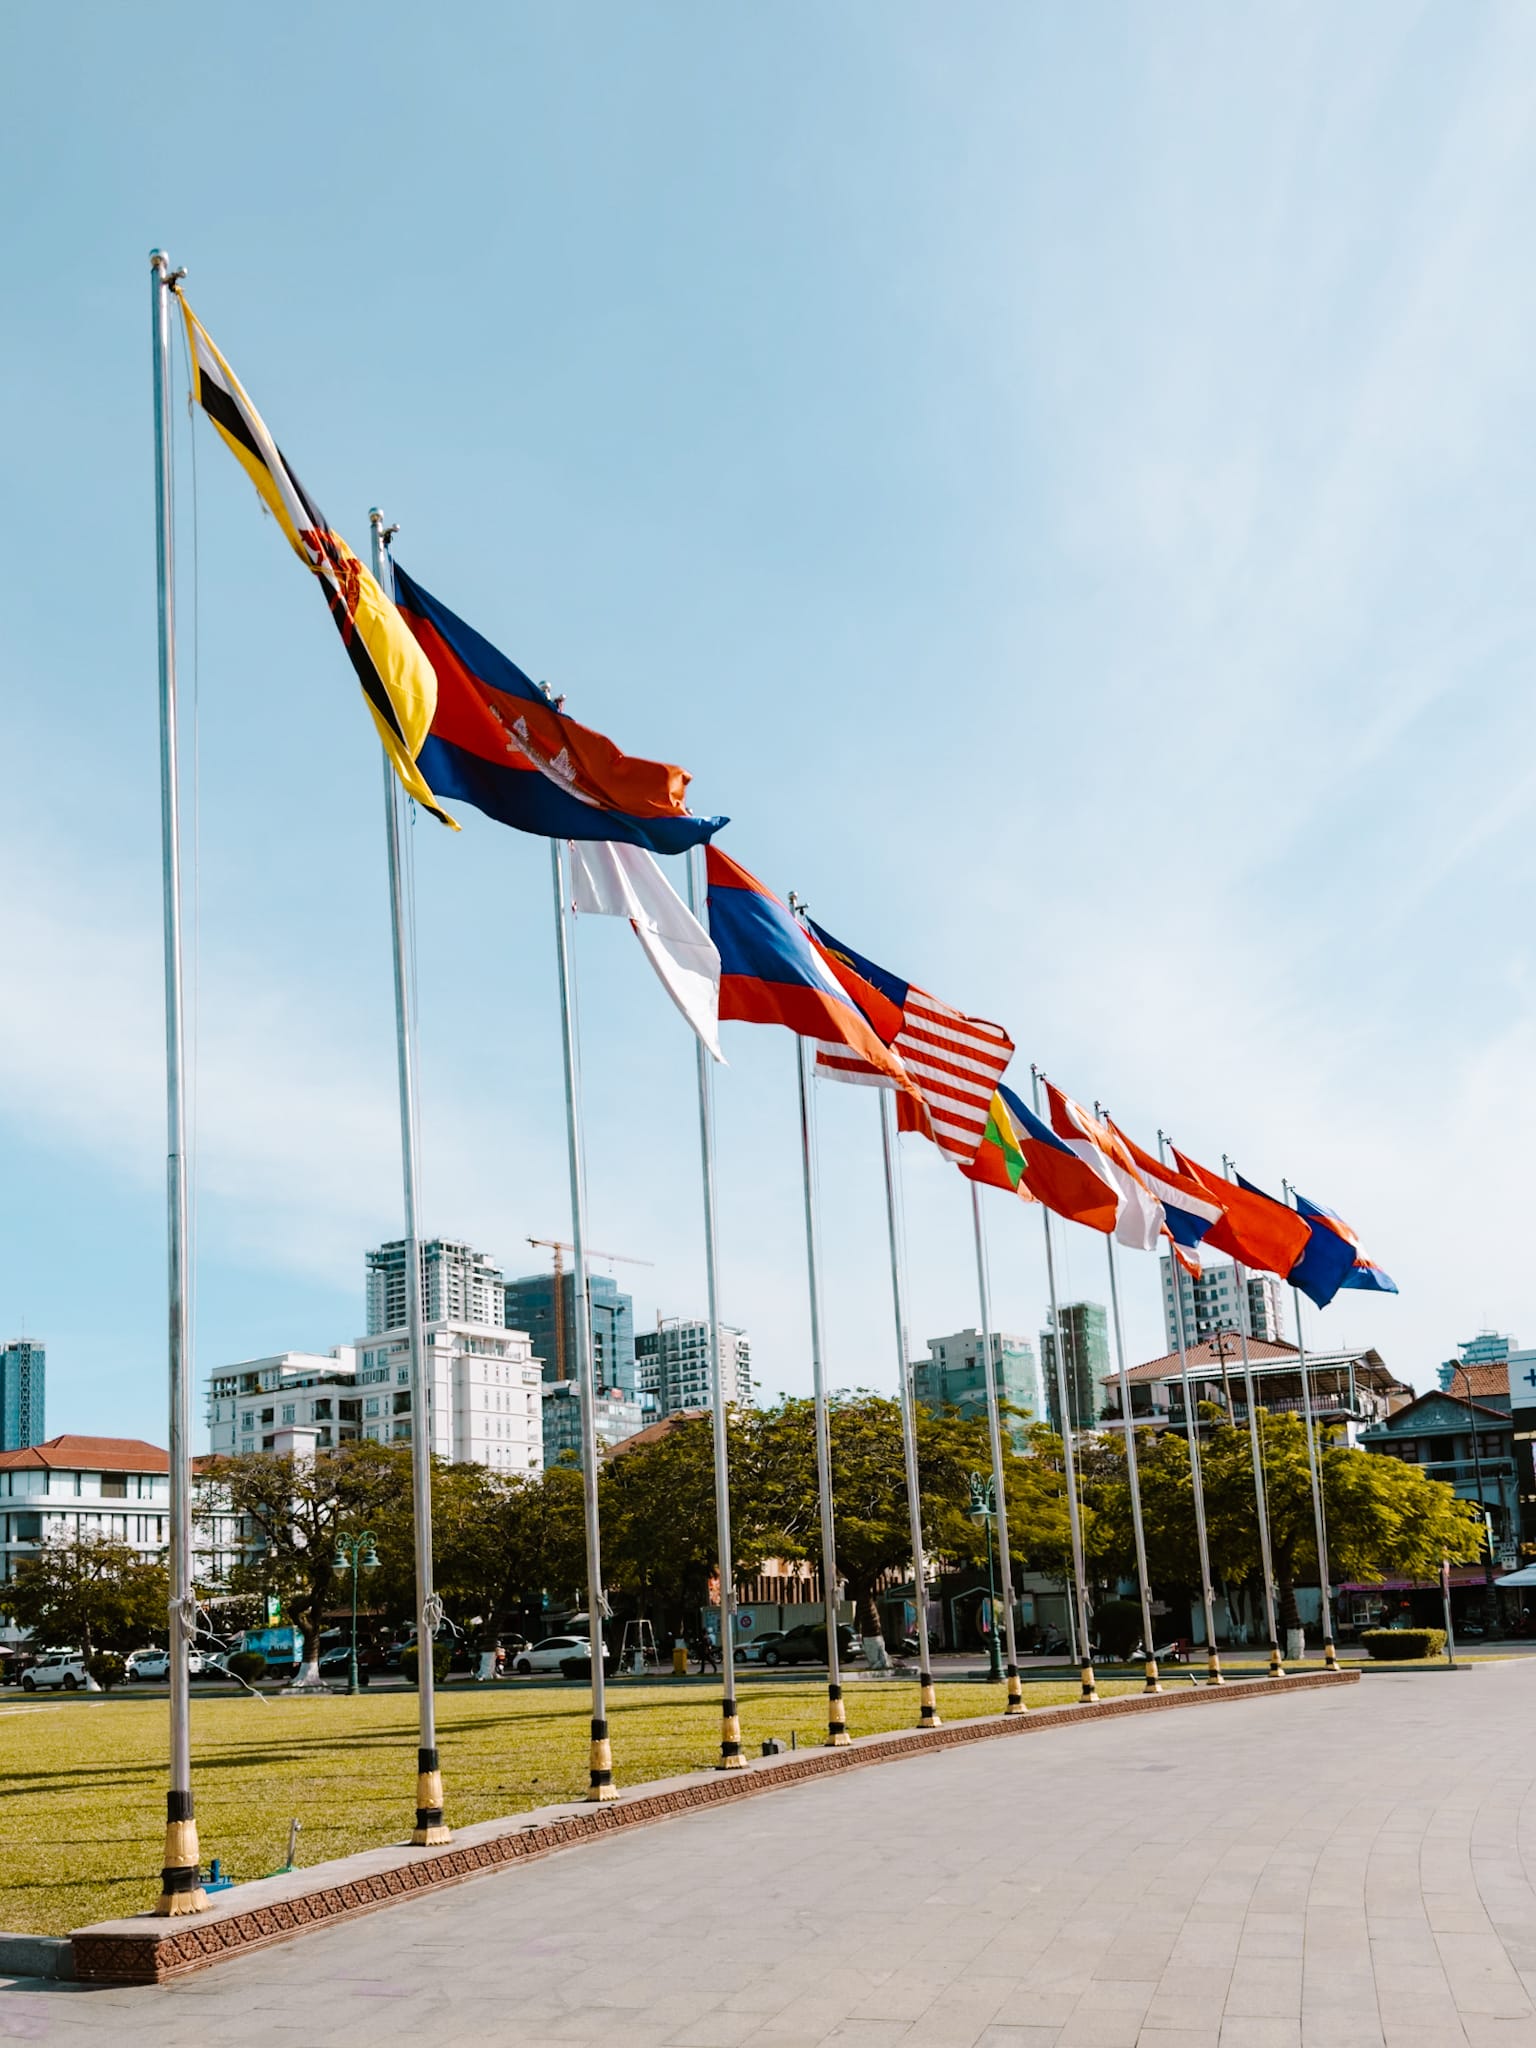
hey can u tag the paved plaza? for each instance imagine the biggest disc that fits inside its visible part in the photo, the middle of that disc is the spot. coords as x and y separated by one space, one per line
1321 1871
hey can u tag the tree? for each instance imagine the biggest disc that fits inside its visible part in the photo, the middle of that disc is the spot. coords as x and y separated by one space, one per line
294 1509
469 1549
90 1590
1383 1518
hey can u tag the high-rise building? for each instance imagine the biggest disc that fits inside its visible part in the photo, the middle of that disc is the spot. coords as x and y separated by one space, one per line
672 1365
458 1285
616 1416
529 1304
1216 1301
1488 1347
954 1375
1085 1349
23 1376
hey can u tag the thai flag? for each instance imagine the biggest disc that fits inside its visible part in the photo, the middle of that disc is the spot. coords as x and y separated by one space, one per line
1189 1214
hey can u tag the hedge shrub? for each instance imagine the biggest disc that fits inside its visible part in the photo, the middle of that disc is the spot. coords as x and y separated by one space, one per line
1396 1645
108 1669
249 1665
442 1657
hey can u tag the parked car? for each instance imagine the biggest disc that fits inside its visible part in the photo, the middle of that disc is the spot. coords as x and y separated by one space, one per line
156 1665
556 1653
807 1644
54 1671
754 1650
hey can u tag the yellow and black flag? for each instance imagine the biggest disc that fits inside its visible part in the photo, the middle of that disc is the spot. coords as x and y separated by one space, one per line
398 681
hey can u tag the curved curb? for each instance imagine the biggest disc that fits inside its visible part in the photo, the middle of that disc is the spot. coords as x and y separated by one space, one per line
146 1950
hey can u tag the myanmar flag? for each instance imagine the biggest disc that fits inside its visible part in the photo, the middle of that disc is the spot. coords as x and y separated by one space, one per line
999 1160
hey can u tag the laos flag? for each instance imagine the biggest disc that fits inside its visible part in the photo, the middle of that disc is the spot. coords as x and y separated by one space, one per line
500 742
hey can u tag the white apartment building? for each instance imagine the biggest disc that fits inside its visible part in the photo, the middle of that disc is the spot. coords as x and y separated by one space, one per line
83 1485
672 1365
258 1404
483 1387
458 1285
483 1393
1216 1301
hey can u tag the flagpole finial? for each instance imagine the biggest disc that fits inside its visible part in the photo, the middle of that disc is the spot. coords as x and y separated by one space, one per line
159 261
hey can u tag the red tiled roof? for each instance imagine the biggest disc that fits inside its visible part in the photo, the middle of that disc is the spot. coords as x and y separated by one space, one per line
655 1431
1205 1354
89 1454
1479 1380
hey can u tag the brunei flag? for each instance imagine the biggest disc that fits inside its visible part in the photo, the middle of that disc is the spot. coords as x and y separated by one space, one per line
397 679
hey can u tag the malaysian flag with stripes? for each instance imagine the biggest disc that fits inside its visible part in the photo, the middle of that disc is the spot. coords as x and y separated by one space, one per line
955 1062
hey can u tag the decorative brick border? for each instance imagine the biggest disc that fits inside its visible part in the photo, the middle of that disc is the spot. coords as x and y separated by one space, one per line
144 1950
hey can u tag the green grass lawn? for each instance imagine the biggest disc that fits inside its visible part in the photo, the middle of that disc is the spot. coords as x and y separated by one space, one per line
82 1784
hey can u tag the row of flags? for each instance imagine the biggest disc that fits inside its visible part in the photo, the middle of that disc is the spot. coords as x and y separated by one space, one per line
461 722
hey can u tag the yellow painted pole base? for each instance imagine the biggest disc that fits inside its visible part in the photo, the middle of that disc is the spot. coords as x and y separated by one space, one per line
1015 1696
731 1758
176 1905
837 1720
1213 1670
1329 1657
431 1837
1090 1694
1276 1666
429 1831
1153 1683
928 1704
181 1890
601 1788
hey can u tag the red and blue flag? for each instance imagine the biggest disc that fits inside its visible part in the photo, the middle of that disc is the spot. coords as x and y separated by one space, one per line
770 973
1364 1273
500 742
1325 1259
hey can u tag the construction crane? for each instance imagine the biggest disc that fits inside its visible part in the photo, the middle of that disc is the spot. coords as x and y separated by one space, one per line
559 1247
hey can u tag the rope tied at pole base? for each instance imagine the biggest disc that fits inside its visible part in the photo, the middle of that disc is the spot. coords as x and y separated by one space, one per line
731 1758
601 1786
181 1878
429 1831
1090 1693
1276 1663
1153 1684
928 1709
1015 1692
837 1720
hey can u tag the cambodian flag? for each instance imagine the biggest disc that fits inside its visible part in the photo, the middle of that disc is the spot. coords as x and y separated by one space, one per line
1326 1258
1364 1273
501 743
770 973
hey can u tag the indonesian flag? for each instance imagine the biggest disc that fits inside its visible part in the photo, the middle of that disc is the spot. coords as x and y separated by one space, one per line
1139 1216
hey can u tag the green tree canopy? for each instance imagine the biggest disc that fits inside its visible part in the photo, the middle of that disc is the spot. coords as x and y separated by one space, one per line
89 1590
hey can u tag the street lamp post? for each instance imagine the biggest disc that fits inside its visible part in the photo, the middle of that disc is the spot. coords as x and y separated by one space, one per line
353 1552
984 1510
1477 1469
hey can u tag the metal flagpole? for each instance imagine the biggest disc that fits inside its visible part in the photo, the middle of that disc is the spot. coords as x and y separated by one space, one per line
928 1710
181 1889
1152 1684
1090 1692
1330 1657
837 1720
1192 1423
1256 1452
730 1723
995 1433
429 1829
600 1775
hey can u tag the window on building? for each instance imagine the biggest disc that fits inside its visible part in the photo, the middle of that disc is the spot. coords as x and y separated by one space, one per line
268 1415
114 1485
248 1420
290 1411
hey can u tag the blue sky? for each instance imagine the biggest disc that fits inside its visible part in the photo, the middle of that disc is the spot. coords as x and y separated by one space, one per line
1057 478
